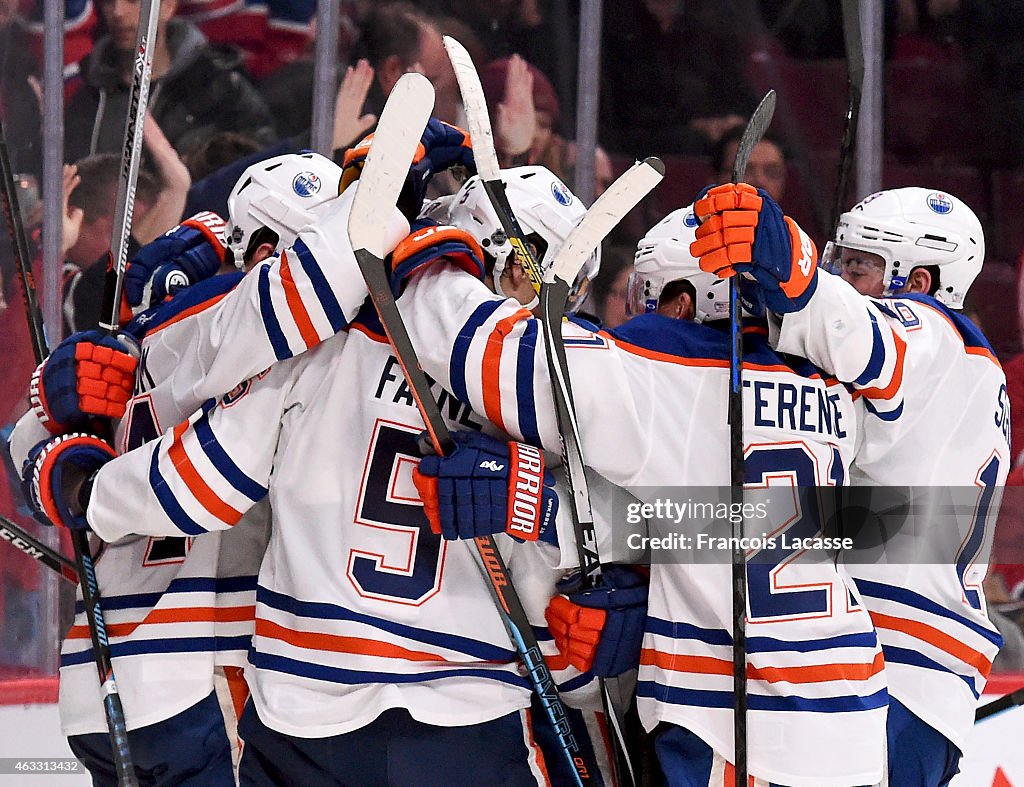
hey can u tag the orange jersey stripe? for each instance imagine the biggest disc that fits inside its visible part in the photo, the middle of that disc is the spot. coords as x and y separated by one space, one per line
187 313
933 636
173 615
336 643
491 371
195 483
708 665
295 304
897 374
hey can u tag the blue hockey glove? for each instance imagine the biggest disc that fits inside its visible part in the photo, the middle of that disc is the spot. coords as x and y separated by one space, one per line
743 230
56 477
487 486
88 375
601 629
441 147
191 252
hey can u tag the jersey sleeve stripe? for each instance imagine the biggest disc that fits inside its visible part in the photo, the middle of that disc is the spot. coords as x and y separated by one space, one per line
202 491
240 584
321 287
524 385
898 655
686 631
165 497
895 383
171 616
169 645
885 415
490 374
295 305
225 465
457 365
277 338
877 359
936 638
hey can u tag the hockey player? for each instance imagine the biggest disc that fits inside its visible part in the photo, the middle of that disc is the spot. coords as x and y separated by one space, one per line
377 656
921 249
179 607
650 398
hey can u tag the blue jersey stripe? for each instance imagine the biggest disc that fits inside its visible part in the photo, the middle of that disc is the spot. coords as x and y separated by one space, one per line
321 286
895 655
162 645
457 364
168 502
877 359
702 698
916 600
524 384
305 669
483 651
885 415
277 338
180 585
231 472
687 631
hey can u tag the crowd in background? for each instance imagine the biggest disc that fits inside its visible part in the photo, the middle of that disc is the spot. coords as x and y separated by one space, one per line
232 84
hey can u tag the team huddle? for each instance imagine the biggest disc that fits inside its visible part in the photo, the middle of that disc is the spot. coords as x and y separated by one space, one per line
252 456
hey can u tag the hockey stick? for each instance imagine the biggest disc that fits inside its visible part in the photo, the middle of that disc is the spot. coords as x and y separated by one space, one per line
393 145
486 158
1007 701
51 558
855 80
752 134
110 314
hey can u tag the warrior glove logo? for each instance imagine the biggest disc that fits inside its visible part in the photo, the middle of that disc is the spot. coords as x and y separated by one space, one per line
491 465
526 509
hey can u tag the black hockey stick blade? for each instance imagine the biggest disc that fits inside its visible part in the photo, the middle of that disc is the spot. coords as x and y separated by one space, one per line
855 81
131 156
23 541
1007 701
752 134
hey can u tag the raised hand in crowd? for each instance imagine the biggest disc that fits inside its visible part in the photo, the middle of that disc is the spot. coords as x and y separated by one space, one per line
515 117
73 216
349 125
169 205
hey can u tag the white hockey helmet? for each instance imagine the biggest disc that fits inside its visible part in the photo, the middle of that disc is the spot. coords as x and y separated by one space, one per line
278 193
663 255
912 227
546 210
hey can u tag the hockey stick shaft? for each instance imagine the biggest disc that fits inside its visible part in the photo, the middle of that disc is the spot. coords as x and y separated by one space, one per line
51 558
848 145
366 230
84 567
1007 701
752 134
131 155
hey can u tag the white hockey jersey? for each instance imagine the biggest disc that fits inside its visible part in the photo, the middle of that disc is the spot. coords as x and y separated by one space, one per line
177 607
359 607
954 433
652 405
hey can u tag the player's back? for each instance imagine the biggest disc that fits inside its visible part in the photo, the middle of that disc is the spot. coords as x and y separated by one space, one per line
953 439
815 672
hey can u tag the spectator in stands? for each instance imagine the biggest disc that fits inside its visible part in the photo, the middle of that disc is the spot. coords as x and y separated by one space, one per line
19 104
608 295
90 189
218 151
673 75
766 168
196 90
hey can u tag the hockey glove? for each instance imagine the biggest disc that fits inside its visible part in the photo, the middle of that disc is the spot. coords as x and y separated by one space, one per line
57 477
487 486
743 230
429 242
89 374
191 252
601 629
441 147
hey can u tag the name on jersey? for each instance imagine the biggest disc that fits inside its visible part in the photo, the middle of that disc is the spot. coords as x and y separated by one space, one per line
798 408
392 387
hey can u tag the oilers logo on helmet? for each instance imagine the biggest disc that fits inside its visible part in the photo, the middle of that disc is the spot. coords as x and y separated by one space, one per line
306 184
939 203
561 193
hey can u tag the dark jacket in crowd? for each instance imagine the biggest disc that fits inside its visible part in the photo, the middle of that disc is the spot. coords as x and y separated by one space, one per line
204 91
